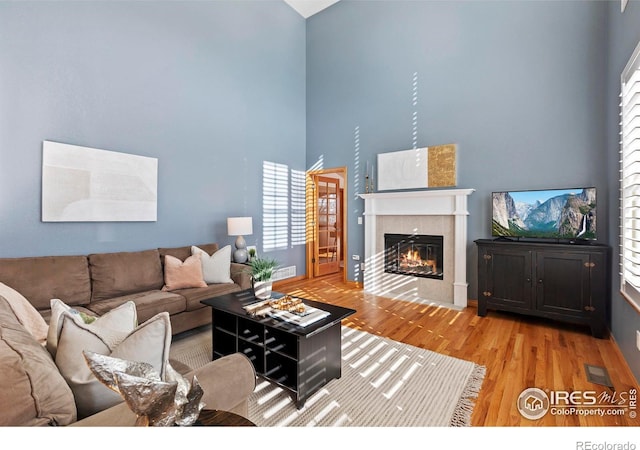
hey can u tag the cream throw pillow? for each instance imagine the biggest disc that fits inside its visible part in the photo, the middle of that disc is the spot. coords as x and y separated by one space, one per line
119 321
148 343
182 275
26 314
216 268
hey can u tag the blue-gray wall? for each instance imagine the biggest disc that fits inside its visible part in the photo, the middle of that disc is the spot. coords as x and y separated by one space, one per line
624 36
211 89
517 85
527 89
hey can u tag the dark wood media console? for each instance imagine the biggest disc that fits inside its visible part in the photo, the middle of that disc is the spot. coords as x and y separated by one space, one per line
565 282
298 359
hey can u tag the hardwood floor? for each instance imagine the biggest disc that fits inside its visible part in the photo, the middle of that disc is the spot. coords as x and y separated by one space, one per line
518 352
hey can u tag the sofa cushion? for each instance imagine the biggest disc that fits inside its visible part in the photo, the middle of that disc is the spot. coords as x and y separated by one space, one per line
148 303
148 343
32 391
42 278
26 314
118 321
118 274
194 296
183 253
216 268
182 274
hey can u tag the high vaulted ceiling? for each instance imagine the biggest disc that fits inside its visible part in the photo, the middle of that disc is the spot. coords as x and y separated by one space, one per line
307 8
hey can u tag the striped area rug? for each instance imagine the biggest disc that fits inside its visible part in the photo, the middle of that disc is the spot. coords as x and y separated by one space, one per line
384 383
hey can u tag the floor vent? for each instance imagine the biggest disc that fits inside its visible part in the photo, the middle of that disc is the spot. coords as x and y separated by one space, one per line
598 375
284 272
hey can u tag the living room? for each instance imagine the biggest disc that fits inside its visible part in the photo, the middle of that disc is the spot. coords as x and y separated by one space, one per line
219 91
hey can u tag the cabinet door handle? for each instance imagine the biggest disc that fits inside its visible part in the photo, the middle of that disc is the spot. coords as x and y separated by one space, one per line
540 281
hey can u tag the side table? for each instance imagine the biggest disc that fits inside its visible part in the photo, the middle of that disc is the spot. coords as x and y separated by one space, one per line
217 418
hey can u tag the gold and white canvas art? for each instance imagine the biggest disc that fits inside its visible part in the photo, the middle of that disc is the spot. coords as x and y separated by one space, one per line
82 184
425 167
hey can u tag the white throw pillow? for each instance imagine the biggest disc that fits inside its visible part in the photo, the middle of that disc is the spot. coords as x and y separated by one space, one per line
148 343
121 321
27 315
216 268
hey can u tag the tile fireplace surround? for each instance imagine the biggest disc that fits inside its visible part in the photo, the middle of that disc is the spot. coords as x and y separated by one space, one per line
432 212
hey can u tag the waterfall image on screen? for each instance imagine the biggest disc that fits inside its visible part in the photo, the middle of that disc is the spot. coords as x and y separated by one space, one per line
553 214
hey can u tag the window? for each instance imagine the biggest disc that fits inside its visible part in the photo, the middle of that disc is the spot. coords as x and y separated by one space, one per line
298 236
283 206
630 180
275 206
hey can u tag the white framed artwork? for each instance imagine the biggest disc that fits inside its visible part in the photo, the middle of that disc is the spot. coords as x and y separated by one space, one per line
406 169
83 184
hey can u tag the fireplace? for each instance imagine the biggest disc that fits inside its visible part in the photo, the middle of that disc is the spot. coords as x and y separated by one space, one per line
416 255
437 212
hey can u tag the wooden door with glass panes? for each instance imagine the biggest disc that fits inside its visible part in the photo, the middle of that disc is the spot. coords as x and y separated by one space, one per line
327 225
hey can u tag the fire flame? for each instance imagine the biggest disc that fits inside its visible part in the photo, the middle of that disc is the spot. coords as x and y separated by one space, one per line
413 256
412 259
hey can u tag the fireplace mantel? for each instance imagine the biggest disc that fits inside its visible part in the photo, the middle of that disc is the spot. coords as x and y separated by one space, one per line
440 202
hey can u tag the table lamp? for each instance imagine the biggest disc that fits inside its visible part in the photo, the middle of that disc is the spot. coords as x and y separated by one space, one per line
240 226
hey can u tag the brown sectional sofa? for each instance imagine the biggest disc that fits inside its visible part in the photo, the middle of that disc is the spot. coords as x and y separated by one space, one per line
99 282
32 390
34 393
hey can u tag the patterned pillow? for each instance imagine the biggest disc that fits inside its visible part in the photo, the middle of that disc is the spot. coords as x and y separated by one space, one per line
121 320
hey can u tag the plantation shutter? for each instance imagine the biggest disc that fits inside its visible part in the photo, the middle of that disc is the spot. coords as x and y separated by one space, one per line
298 198
275 206
630 179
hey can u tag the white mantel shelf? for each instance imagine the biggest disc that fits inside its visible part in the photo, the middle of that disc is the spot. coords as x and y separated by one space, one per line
434 203
440 202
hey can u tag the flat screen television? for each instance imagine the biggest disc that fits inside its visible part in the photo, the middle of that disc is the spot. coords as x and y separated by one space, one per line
562 214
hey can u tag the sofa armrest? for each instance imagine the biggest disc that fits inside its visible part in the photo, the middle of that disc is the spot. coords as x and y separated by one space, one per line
227 383
241 275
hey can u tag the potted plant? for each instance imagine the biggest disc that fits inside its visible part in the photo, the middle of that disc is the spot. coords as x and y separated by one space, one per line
261 273
252 253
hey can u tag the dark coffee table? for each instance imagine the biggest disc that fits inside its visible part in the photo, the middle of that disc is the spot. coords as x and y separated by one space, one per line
298 359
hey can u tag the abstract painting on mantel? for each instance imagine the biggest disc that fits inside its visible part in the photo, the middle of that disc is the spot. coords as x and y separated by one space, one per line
418 168
82 184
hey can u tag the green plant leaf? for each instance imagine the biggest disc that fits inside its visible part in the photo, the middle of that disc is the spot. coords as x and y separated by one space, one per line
261 269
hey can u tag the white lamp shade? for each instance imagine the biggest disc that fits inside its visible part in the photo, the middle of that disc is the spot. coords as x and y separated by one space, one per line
239 226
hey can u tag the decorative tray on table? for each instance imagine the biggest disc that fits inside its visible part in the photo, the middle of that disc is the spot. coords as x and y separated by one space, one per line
287 308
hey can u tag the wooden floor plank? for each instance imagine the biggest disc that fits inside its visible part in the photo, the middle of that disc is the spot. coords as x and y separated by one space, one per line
518 352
